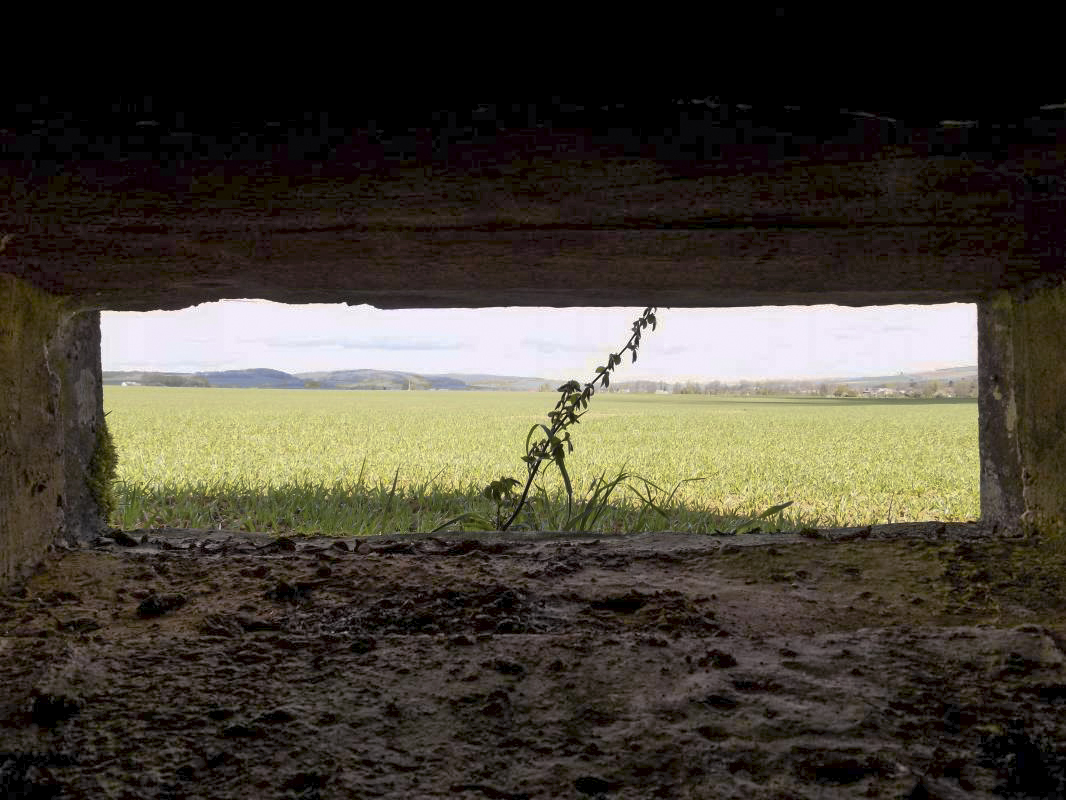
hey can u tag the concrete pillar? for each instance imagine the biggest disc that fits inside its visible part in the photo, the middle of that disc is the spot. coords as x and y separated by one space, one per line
1022 397
55 453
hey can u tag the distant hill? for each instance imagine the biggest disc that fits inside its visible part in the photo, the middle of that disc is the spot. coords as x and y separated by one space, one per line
336 379
364 379
499 382
942 375
252 378
386 379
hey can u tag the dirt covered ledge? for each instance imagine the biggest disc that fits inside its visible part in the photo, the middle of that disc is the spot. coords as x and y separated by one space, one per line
899 661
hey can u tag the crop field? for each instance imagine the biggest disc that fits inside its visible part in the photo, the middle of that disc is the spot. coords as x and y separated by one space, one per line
355 462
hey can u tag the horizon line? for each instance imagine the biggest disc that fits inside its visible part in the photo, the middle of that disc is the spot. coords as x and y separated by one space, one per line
618 379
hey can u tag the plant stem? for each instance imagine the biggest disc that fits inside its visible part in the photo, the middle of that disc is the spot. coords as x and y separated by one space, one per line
561 420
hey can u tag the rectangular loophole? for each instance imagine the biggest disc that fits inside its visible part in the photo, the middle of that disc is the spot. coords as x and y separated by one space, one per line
395 421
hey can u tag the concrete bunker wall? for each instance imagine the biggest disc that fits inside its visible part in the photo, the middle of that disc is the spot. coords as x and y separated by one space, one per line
1022 371
53 443
56 451
855 210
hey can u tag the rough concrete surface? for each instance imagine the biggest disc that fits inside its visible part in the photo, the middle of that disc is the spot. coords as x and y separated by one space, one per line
689 208
1022 409
51 404
917 661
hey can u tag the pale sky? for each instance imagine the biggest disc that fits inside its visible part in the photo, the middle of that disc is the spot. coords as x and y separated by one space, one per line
726 344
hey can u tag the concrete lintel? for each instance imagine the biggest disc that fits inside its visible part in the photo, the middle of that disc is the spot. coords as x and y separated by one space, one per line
542 219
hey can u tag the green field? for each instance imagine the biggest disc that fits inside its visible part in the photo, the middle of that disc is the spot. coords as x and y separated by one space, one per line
351 462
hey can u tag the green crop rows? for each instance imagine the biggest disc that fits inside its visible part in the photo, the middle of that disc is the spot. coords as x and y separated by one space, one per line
351 462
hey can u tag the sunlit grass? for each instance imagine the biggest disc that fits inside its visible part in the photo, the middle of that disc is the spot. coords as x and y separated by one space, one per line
382 462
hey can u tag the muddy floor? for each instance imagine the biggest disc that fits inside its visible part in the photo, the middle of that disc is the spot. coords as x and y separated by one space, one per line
922 661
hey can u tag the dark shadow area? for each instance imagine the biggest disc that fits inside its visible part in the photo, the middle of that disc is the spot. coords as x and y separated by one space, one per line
339 510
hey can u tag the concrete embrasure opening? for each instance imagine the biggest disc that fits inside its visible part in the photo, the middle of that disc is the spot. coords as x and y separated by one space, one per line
904 662
711 457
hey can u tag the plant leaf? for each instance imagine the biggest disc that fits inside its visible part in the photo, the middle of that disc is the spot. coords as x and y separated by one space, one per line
530 434
477 518
773 510
566 476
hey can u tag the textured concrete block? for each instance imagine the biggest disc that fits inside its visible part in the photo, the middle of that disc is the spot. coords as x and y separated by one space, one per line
1022 370
51 418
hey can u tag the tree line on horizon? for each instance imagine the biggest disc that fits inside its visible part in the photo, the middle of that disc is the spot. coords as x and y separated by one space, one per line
961 387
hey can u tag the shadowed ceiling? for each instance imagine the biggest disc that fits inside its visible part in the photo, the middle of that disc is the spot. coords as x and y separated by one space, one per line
696 201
